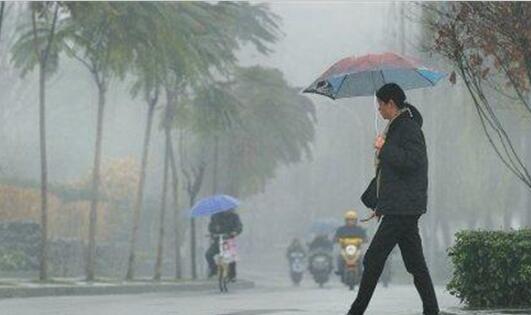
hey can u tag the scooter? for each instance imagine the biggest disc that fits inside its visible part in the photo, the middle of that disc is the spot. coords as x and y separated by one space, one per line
296 266
320 266
351 254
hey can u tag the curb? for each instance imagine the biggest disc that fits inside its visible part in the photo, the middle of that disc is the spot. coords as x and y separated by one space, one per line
110 289
464 311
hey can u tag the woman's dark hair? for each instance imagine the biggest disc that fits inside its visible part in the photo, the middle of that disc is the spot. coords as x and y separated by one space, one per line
392 91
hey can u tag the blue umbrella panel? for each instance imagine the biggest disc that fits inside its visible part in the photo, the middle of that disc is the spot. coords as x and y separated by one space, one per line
214 204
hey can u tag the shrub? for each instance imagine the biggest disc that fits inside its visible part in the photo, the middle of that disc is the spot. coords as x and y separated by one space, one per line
14 260
19 245
492 268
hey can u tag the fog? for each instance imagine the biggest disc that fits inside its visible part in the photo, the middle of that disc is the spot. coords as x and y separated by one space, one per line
469 187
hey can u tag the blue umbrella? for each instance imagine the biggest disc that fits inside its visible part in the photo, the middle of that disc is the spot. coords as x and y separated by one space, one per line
214 204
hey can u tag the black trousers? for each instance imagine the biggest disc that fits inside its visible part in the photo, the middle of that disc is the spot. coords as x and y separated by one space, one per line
404 231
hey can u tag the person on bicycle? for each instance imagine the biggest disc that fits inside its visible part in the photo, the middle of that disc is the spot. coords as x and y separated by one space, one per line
350 229
229 224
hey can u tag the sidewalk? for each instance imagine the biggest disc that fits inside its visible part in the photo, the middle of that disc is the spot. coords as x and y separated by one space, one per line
465 311
16 288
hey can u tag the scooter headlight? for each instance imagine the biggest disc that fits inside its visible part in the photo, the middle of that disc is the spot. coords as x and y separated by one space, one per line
351 250
320 263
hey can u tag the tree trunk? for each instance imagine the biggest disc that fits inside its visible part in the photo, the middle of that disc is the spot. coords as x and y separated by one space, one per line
140 193
42 57
204 244
193 234
175 186
158 264
95 187
234 182
193 242
43 272
194 179
2 6
215 166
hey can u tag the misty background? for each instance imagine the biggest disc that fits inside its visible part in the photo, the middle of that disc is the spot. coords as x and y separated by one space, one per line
468 185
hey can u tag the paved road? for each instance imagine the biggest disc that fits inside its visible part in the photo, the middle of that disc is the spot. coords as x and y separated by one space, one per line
271 296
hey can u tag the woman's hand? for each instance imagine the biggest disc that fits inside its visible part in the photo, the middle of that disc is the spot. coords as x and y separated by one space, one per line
379 142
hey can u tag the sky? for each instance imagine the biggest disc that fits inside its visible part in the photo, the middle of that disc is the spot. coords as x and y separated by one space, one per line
319 33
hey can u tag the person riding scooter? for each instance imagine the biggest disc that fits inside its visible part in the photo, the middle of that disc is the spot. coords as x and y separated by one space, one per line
321 241
348 231
227 223
320 258
296 253
295 246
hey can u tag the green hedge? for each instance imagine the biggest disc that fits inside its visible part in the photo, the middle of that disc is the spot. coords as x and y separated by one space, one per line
492 269
14 259
19 245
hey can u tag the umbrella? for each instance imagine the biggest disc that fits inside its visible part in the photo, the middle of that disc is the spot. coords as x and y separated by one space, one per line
214 204
363 76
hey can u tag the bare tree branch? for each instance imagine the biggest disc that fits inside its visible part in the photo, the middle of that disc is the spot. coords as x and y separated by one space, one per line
467 34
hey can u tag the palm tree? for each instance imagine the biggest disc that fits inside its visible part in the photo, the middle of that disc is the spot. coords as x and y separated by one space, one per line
158 262
213 110
277 128
150 68
162 66
191 59
176 216
262 123
193 166
38 46
151 98
169 113
236 22
101 41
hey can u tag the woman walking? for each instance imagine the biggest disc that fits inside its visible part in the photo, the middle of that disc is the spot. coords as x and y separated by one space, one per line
399 195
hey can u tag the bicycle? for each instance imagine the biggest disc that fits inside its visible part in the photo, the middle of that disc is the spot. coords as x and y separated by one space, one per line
226 256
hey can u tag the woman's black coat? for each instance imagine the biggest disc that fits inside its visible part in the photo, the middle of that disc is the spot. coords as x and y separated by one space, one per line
403 168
